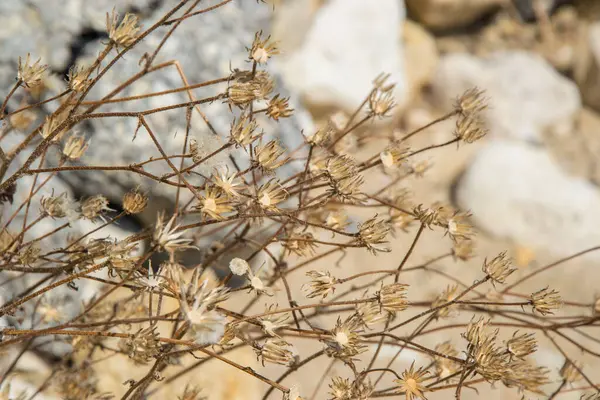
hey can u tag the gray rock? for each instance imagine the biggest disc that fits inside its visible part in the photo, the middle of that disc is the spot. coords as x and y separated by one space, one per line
526 94
517 191
349 43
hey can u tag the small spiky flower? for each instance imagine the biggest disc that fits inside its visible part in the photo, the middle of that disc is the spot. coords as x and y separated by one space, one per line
75 147
499 268
270 194
469 129
321 284
545 301
521 345
168 237
411 382
248 87
279 108
227 182
322 136
271 323
30 75
446 296
243 131
336 219
124 33
570 371
429 216
92 207
276 351
459 227
262 49
525 376
239 267
51 125
206 324
394 155
134 201
491 360
341 388
344 341
214 204
56 206
143 346
257 284
392 297
381 102
471 102
269 156
370 313
444 366
372 235
463 249
153 281
476 331
301 244
77 78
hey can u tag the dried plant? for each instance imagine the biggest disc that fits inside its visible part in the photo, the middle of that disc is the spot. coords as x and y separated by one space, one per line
295 219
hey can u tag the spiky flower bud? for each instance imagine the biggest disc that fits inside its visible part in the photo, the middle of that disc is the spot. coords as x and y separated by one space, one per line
545 301
77 78
499 268
56 206
392 297
30 75
372 235
522 345
247 87
276 351
570 372
134 201
92 207
262 49
322 284
75 147
124 33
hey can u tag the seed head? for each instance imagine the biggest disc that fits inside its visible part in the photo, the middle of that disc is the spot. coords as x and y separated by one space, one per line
521 345
459 227
124 33
411 382
30 75
247 88
75 147
271 323
56 206
471 102
167 236
239 267
570 372
444 366
262 49
394 155
545 301
301 244
227 182
92 207
477 331
279 108
22 120
499 268
381 103
51 125
470 128
270 194
525 376
134 201
143 346
370 313
258 285
321 284
77 78
322 136
429 216
341 389
153 280
392 297
242 131
206 324
344 341
463 249
269 155
276 351
214 204
372 235
446 296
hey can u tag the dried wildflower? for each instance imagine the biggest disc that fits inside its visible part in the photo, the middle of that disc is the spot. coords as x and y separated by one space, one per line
153 281
134 201
392 297
370 313
411 382
247 87
341 389
499 268
570 371
76 383
428 216
476 331
28 255
124 33
301 244
322 136
393 155
191 393
22 120
525 376
77 78
458 226
344 341
379 83
143 346
321 284
340 167
490 359
348 189
227 182
471 102
239 267
399 220
92 207
206 324
214 204
269 155
372 234
270 194
168 237
75 147
364 390
52 124
56 206
381 103
262 49
279 108
444 366
242 132
545 301
469 129
446 296
30 75
463 250
271 323
336 219
276 351
522 345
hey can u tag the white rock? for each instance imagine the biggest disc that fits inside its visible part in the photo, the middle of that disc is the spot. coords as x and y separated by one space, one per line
587 66
348 45
447 14
526 94
518 192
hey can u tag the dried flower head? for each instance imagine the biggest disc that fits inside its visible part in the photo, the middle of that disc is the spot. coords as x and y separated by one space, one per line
411 382
444 366
262 49
270 194
270 323
276 351
243 130
570 371
30 75
477 330
214 204
142 346
429 216
370 313
499 268
463 249
341 388
471 102
525 376
239 267
248 87
77 78
392 297
321 284
134 201
521 345
22 120
322 136
545 301
227 182
55 126
56 206
269 155
153 280
469 129
381 102
394 155
206 324
75 147
344 341
93 207
301 244
278 107
123 33
168 237
372 234
459 227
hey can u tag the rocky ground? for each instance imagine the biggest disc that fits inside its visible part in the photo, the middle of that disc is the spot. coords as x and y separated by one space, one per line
532 184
